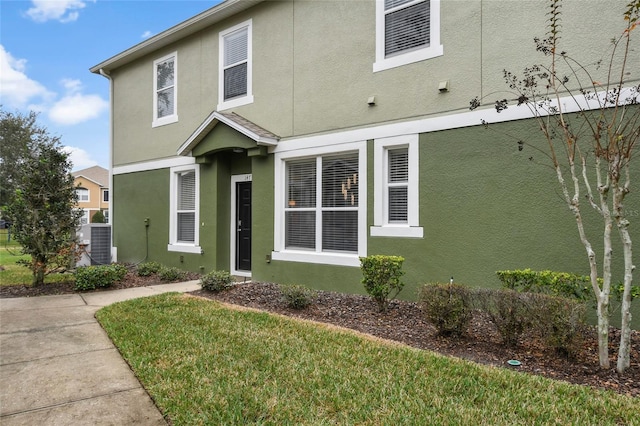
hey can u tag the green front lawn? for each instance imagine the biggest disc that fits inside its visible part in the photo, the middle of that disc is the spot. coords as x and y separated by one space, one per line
204 363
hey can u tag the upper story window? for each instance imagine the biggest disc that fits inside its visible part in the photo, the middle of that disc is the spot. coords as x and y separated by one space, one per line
396 198
165 88
105 195
235 82
83 194
407 31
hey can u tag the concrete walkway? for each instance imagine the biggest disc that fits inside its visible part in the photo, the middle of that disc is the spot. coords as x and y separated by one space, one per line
58 367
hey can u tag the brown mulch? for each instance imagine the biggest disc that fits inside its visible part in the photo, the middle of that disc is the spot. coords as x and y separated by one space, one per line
403 322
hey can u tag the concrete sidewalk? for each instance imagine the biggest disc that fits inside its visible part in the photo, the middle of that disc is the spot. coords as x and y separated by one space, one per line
58 367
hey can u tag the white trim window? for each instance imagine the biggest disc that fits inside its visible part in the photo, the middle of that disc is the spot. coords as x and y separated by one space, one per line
396 199
105 195
185 202
234 81
165 90
321 205
82 194
407 31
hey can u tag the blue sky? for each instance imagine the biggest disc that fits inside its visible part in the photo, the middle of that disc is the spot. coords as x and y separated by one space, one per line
47 48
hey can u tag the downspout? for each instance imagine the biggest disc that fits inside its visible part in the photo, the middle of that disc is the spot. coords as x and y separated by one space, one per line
114 251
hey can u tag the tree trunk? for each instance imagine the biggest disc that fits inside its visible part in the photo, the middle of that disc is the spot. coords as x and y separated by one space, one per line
39 269
624 351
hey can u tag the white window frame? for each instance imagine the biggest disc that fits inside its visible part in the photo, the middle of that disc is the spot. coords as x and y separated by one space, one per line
248 98
84 191
434 49
105 192
167 119
84 219
381 226
174 245
317 256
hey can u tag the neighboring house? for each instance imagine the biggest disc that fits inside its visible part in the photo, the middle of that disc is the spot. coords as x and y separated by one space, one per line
283 140
92 188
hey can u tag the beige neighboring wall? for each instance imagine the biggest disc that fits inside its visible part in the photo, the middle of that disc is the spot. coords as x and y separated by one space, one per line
96 181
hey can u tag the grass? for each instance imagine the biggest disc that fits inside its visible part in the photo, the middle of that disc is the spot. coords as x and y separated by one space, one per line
205 363
16 274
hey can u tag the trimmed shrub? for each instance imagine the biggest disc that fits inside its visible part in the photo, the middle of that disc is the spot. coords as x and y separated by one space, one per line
555 283
98 217
297 296
148 268
381 278
99 276
447 307
510 312
561 323
216 281
171 274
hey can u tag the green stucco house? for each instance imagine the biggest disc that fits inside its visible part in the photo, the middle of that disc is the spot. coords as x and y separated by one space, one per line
282 140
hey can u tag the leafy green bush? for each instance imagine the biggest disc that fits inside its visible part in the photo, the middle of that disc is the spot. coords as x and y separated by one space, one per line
511 312
297 296
98 217
148 268
560 322
99 276
381 278
447 307
549 282
171 274
216 281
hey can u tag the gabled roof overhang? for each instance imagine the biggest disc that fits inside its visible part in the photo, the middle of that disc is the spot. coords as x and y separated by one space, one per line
261 136
184 29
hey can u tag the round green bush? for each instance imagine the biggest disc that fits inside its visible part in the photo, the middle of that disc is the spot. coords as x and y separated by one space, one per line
297 296
216 281
447 307
148 268
170 274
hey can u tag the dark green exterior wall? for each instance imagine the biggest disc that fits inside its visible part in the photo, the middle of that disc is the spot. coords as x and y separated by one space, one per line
485 205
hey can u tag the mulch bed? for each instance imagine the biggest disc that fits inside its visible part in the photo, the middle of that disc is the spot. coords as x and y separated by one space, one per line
404 322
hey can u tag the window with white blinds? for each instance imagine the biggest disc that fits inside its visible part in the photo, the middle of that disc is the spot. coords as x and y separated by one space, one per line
235 66
407 31
322 198
396 198
165 90
398 185
407 25
183 233
186 212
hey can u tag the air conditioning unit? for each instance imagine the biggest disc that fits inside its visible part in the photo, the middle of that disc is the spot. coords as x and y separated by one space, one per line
95 244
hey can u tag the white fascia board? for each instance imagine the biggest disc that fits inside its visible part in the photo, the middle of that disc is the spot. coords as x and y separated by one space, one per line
455 120
164 163
90 180
184 29
193 140
210 122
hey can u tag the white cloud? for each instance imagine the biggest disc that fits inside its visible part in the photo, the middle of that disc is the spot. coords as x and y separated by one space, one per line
80 158
147 34
16 89
59 10
76 108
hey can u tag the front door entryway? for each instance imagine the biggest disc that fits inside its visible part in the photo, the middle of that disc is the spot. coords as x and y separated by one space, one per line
243 226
